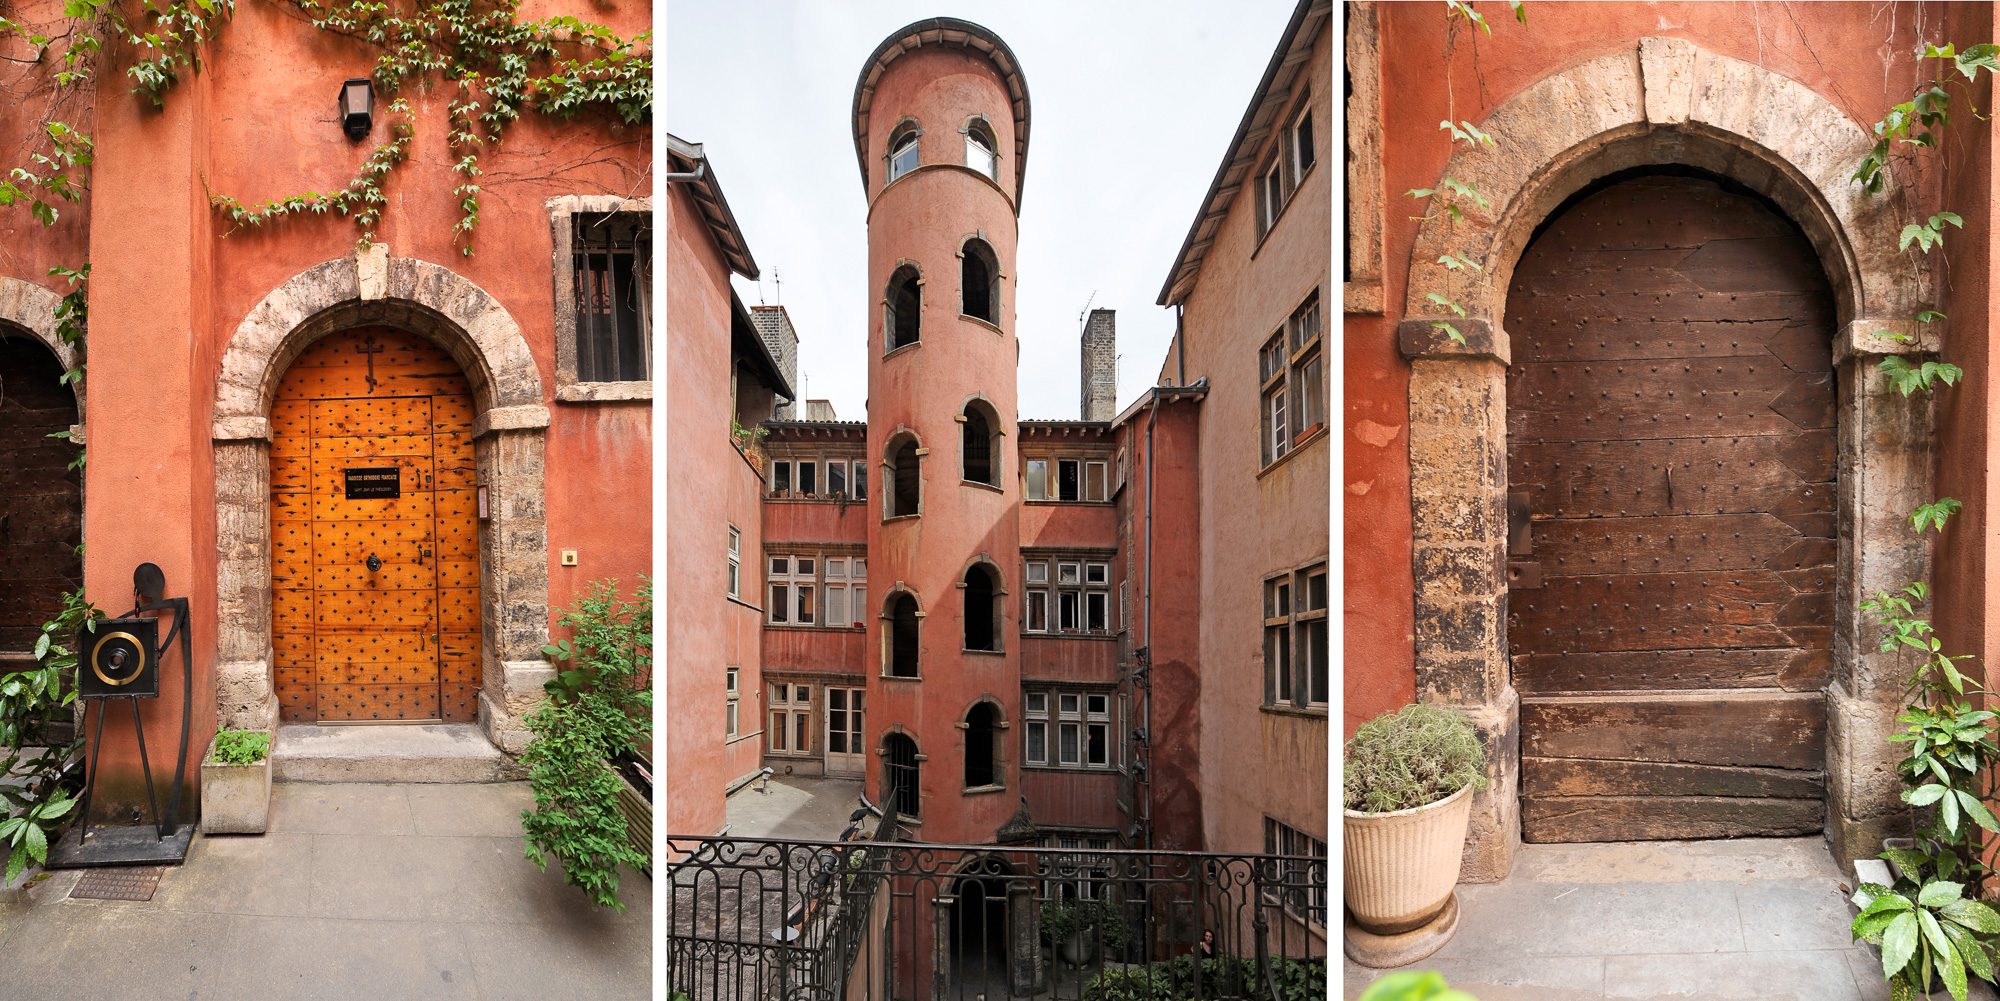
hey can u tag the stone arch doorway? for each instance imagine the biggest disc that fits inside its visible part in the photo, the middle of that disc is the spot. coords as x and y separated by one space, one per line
1671 484
506 430
979 928
41 498
1668 102
375 570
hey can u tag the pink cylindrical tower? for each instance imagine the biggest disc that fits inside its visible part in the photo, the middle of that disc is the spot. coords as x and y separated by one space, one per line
941 129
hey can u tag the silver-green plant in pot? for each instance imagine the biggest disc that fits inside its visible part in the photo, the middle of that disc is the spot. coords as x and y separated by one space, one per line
1409 777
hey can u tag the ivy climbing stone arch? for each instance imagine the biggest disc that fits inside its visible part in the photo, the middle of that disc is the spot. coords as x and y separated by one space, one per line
1664 101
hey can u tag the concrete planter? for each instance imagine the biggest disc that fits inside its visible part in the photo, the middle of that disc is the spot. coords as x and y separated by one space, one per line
1401 866
235 799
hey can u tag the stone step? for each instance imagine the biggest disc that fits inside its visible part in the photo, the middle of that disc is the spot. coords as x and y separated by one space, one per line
427 752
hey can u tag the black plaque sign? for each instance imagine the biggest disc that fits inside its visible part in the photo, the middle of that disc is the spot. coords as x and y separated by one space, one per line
374 483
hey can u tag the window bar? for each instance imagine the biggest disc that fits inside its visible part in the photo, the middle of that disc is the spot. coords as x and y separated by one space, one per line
613 371
642 266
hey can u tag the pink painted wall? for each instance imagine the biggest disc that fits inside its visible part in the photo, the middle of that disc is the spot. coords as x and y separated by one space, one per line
697 617
924 216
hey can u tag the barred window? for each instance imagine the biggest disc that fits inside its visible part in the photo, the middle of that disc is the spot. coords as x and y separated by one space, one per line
1304 889
613 255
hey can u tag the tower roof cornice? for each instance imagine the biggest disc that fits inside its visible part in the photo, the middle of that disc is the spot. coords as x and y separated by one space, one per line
944 31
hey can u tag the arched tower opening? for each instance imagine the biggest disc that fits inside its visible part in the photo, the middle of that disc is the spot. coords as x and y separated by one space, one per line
981 758
903 636
901 775
982 615
903 308
979 282
980 444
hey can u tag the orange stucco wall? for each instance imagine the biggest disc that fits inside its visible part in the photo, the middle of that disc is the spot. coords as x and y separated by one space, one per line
1844 51
171 283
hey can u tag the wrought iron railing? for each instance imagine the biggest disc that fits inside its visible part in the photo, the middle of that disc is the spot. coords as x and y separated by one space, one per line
884 920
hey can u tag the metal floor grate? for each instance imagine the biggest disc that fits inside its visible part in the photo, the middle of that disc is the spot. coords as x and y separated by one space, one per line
119 883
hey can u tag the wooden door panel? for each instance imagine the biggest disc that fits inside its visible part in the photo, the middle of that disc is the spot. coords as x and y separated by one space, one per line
458 609
398 610
356 645
1671 426
368 446
41 498
408 415
1759 729
1570 777
366 703
1790 669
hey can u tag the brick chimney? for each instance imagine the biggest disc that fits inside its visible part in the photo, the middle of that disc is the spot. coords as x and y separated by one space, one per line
774 325
1100 365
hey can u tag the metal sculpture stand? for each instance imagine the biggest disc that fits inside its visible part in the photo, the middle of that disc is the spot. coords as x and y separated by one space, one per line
166 841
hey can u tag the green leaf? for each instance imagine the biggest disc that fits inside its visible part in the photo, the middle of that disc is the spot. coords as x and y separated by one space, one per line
1970 950
1972 914
1939 893
1977 811
1520 11
42 646
1924 795
1899 943
37 844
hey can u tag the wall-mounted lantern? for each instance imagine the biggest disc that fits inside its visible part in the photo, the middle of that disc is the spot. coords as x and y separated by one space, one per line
357 107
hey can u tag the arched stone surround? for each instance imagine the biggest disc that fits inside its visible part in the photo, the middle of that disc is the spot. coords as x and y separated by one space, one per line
33 308
1666 102
434 302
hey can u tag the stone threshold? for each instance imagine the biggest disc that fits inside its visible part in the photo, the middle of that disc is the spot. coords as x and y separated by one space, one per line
422 752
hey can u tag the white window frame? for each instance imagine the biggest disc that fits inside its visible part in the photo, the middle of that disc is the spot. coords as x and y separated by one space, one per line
735 562
829 572
1056 716
1308 906
1077 586
732 723
791 707
980 155
1292 374
911 140
800 600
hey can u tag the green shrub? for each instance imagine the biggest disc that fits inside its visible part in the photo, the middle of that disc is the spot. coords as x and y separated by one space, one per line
241 747
1221 976
1420 986
1412 757
599 705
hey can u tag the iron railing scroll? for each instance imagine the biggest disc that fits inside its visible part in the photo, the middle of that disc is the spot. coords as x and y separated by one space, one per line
881 919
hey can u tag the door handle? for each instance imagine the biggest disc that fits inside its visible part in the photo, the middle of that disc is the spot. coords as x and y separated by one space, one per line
421 553
374 562
1670 488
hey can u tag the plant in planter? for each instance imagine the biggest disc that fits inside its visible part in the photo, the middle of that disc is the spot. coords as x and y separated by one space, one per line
600 706
1409 776
1069 925
236 783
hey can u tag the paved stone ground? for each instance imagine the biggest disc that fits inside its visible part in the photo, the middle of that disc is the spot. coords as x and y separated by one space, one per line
1748 920
794 806
358 891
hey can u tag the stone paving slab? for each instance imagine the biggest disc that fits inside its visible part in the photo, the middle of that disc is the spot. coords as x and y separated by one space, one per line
1746 920
377 891
793 806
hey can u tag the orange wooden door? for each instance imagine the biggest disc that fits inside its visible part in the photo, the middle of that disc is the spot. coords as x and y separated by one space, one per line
371 457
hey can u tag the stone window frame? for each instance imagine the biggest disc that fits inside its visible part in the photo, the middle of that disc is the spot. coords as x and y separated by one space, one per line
996 448
982 124
889 308
906 126
995 284
1361 283
562 231
1675 103
1001 724
887 617
886 483
999 602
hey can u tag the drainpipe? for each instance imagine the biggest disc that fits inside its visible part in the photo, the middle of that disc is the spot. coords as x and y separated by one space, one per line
1146 710
700 171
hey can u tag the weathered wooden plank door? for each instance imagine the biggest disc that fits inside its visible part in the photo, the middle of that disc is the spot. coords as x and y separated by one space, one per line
375 557
1672 525
41 499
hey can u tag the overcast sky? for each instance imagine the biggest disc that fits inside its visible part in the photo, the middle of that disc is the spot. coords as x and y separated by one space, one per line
1134 105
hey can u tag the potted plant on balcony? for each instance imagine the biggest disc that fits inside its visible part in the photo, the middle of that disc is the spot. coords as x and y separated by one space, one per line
236 783
1409 779
1075 928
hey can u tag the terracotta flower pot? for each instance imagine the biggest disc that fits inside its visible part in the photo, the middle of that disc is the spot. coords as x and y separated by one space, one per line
1401 866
